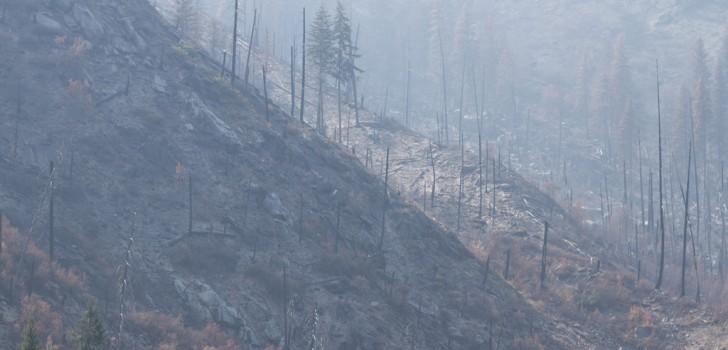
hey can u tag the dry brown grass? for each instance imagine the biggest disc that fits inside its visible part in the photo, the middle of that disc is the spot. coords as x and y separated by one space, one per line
167 332
80 99
47 323
639 317
34 271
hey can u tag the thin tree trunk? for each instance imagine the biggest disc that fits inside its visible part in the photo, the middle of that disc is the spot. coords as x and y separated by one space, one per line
293 80
434 178
51 233
686 197
642 193
407 104
353 78
338 94
303 65
189 226
543 253
444 91
265 95
250 47
235 45
658 284
460 189
462 93
384 201
478 119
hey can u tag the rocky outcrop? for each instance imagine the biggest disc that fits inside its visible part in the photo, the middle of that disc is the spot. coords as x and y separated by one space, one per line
205 305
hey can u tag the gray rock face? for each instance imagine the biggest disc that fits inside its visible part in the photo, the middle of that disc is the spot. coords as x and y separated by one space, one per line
131 32
205 305
198 109
48 24
256 311
87 21
276 209
272 332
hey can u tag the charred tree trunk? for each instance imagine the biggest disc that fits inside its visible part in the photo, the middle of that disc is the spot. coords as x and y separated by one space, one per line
384 201
303 66
1 231
189 225
338 94
543 253
353 79
444 91
642 193
686 196
407 103
460 189
250 47
265 95
51 233
658 284
293 80
508 264
235 45
434 178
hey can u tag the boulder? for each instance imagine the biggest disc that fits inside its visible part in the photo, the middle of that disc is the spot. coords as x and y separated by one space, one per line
205 305
87 21
255 311
272 332
277 210
47 25
134 36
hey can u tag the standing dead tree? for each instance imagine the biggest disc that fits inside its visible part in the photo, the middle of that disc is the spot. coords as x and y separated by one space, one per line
235 46
51 233
18 103
265 95
686 196
658 284
480 147
124 282
460 186
189 225
434 178
444 90
303 67
384 200
250 47
543 253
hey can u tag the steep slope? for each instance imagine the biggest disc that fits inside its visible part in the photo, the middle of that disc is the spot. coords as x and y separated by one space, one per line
281 241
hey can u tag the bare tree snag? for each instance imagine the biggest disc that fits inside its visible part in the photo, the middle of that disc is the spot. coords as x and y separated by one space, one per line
250 47
265 95
303 68
686 196
235 45
508 264
658 284
51 233
189 226
543 253
434 178
384 201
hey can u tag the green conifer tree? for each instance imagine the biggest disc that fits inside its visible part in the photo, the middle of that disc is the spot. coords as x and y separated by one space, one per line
90 334
30 337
